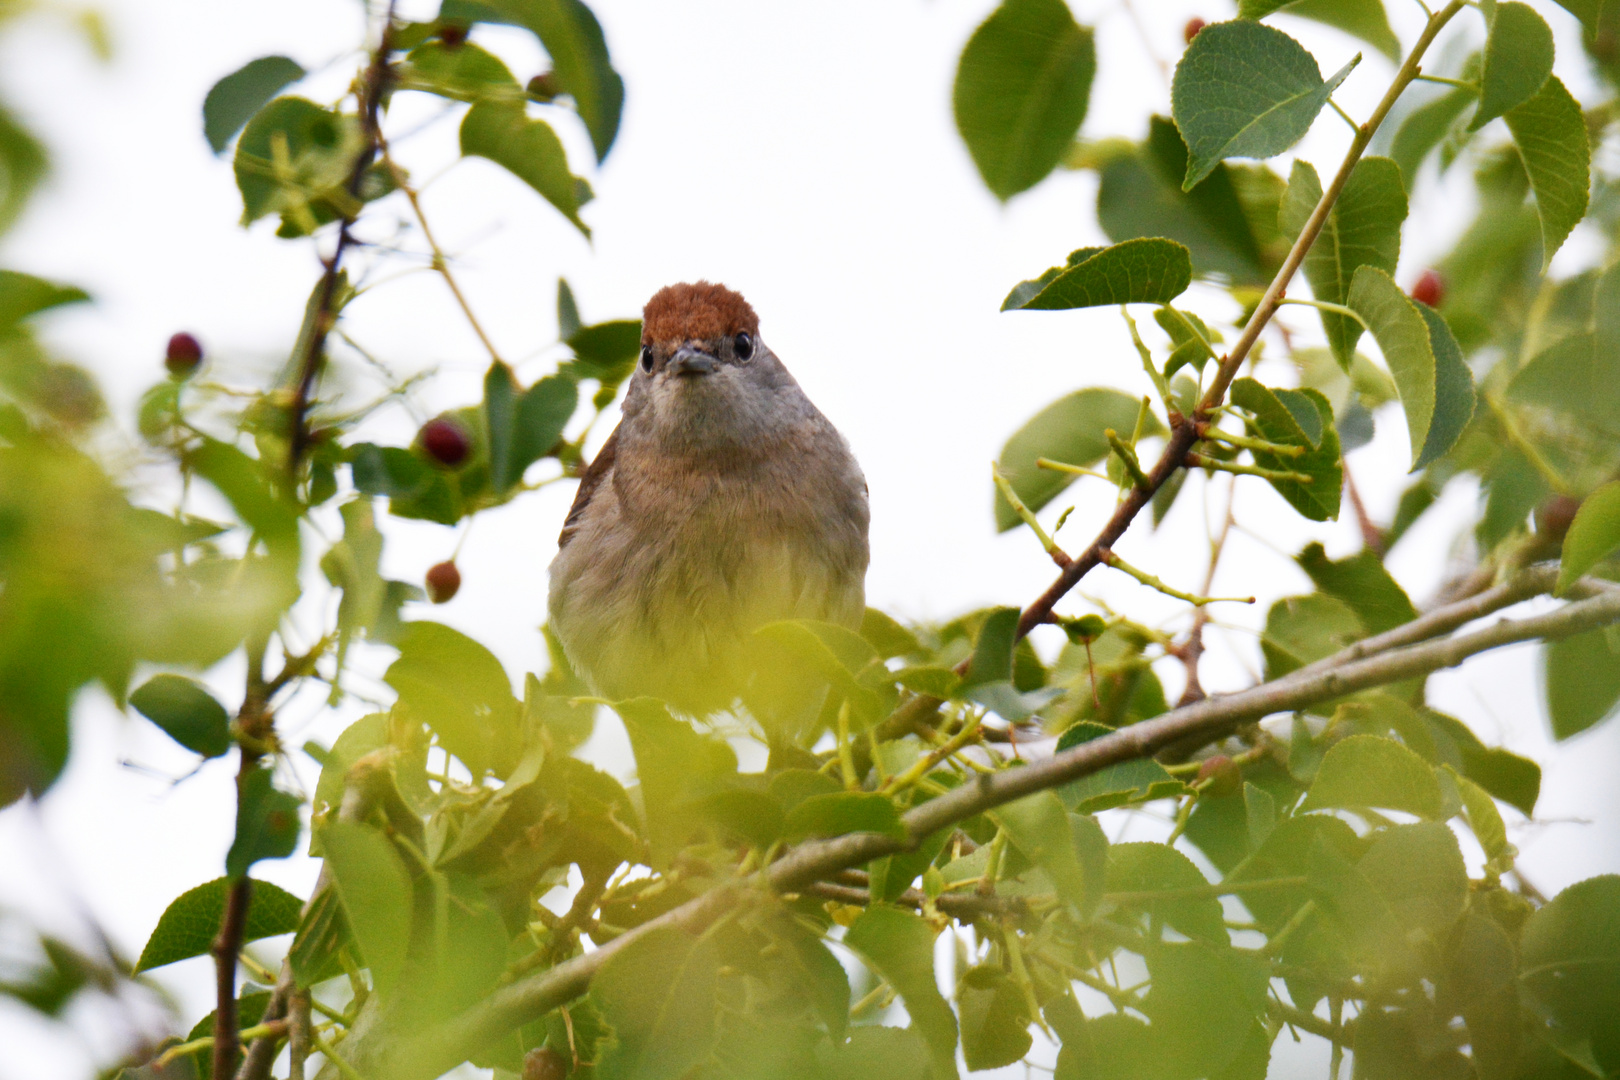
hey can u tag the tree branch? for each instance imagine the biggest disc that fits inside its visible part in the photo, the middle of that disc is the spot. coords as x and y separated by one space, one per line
322 317
426 1055
1185 431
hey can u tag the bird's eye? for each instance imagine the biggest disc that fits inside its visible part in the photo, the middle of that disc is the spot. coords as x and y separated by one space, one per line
744 346
646 358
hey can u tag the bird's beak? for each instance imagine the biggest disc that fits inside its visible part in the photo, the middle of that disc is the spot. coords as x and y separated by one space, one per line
691 361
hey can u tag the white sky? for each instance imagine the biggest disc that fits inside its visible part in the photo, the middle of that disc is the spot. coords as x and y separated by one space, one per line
802 154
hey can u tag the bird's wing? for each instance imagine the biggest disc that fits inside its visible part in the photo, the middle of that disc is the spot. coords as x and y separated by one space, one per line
595 473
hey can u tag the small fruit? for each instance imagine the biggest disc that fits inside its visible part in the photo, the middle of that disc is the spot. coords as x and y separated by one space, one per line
543 1063
1194 25
1430 288
1555 515
184 353
543 87
452 34
445 441
443 582
1220 775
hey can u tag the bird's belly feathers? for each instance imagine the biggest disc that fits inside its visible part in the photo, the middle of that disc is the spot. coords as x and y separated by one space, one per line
675 620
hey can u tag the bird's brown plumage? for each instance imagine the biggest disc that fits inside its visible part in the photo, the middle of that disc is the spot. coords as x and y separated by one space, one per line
700 311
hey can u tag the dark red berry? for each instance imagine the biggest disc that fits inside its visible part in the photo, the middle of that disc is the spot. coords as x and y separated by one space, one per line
1430 288
1222 774
443 582
183 355
544 1063
445 441
1194 25
543 87
1555 515
452 34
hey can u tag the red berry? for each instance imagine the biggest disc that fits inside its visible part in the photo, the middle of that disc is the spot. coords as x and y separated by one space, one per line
1555 515
544 1064
184 354
543 87
445 441
443 582
452 34
1222 774
1194 25
1430 288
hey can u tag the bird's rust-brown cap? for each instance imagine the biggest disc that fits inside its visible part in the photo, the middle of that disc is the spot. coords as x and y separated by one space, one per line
695 312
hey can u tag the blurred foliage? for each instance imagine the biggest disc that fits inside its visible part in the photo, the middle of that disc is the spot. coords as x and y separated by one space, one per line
1313 880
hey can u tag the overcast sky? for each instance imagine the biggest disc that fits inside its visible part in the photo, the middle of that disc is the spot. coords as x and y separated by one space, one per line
803 154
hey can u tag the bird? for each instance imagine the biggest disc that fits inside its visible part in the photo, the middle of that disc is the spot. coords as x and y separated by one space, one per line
724 500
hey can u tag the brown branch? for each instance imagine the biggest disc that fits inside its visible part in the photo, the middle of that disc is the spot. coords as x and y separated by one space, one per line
227 944
420 1056
322 316
1185 431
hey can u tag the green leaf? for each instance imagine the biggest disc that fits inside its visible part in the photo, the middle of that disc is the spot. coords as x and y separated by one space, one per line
192 920
1281 416
995 1018
1303 629
528 149
22 166
900 947
542 413
462 71
1419 871
1551 135
1362 229
844 812
1483 817
1145 271
1518 59
1228 221
500 403
579 57
1367 771
1570 954
414 488
1582 679
233 100
1038 826
606 351
1021 92
267 823
1362 582
1150 868
1592 536
453 684
875 1053
1070 430
186 712
1402 333
1138 780
1190 339
659 996
1454 397
24 295
1243 89
676 766
1425 126
375 888
1259 813
1364 19
1203 1002
992 658
294 159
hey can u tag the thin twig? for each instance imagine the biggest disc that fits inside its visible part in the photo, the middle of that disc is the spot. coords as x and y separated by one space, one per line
323 316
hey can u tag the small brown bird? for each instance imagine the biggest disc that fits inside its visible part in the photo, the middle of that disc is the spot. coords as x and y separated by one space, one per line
723 501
